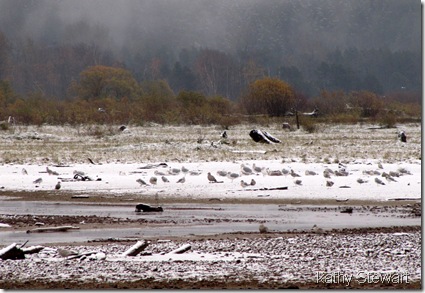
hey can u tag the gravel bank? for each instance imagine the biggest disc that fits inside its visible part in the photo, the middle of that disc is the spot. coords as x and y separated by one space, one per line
371 257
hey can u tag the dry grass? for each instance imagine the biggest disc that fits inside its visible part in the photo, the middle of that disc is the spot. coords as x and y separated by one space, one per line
157 143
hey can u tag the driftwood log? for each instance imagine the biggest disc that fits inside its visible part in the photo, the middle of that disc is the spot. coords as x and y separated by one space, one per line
258 135
136 248
181 249
53 229
266 188
148 208
12 252
82 255
33 249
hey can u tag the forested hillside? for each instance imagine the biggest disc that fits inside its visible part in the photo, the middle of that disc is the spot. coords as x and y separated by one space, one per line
216 48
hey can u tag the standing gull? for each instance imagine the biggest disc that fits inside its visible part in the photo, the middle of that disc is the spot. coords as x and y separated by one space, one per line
257 169
222 173
246 170
232 176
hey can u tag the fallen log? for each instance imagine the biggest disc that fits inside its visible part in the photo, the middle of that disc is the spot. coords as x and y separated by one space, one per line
266 188
52 229
12 252
136 248
81 196
148 208
82 255
181 249
407 198
33 249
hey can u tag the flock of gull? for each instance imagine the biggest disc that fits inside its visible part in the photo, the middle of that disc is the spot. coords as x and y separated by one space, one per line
246 170
380 176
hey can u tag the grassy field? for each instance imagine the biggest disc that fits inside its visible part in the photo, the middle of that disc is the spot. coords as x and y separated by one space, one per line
157 143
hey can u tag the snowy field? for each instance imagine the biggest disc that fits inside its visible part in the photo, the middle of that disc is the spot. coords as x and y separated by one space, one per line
337 162
361 164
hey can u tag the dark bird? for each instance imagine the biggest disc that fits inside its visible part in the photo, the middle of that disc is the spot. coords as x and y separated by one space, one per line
326 174
224 134
293 174
91 161
211 178
379 181
153 180
253 182
58 185
329 183
141 182
37 181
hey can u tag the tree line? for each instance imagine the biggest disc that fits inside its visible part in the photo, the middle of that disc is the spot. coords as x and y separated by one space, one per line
112 95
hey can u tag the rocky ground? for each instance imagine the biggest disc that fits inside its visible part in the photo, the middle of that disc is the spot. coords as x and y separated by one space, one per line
366 257
359 258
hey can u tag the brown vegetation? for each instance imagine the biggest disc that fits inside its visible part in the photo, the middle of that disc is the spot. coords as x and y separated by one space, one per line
110 95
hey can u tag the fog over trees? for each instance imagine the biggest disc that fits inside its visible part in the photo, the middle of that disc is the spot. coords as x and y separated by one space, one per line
216 47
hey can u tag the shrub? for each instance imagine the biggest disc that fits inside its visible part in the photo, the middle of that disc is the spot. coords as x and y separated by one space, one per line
309 124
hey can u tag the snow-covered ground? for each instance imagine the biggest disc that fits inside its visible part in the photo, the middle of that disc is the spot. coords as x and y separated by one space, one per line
117 179
121 158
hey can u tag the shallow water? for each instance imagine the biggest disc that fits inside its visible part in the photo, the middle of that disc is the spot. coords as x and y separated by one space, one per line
188 219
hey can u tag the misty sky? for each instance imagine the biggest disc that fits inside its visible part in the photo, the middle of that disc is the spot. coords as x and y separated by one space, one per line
227 25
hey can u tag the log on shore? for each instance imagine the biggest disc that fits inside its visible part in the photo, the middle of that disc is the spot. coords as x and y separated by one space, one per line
265 188
53 229
181 249
81 196
81 255
148 208
136 248
33 249
12 252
